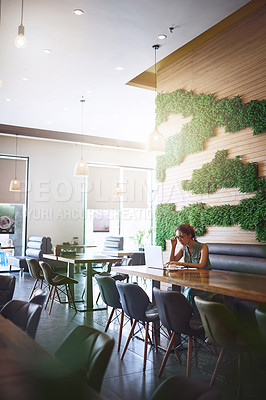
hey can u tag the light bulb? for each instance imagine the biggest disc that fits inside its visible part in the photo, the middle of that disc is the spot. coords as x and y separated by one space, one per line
20 40
81 168
156 142
14 185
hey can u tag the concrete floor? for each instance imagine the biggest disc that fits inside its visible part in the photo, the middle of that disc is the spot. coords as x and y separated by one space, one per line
125 379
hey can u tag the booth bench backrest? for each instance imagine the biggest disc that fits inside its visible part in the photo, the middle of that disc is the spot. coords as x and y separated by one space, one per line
249 258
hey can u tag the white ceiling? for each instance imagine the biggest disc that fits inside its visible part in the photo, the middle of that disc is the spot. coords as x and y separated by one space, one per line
85 51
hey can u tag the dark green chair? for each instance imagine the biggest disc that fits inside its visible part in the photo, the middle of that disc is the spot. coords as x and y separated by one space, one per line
86 352
223 328
261 321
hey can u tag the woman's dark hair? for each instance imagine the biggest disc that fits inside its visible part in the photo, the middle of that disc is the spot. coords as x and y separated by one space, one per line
187 229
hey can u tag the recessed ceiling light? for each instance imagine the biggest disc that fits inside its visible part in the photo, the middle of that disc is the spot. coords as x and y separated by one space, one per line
119 68
88 91
25 78
48 122
1 83
66 108
8 99
162 36
78 11
47 51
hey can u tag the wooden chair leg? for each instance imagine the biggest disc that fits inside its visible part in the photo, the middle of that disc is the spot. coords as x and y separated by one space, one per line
52 302
128 339
48 298
220 358
41 285
146 346
109 320
189 353
120 329
167 354
34 286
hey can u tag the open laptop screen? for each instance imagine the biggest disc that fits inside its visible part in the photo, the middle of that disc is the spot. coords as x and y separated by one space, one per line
153 256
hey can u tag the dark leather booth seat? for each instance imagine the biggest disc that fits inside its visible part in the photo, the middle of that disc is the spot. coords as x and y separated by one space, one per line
247 258
36 247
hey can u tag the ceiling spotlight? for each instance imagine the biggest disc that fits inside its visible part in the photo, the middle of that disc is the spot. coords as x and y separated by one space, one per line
119 68
20 40
78 11
47 51
8 99
88 91
162 36
25 78
171 29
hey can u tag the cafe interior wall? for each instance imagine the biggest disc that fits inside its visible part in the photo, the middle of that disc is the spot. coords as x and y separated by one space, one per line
229 64
55 199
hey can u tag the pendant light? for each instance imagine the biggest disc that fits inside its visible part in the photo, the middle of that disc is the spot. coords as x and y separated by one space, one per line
156 142
15 183
20 40
81 167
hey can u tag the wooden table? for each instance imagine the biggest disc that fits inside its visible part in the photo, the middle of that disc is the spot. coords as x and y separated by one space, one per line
120 253
87 260
27 370
236 284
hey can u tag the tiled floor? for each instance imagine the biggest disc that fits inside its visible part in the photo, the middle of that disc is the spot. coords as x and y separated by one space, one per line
125 379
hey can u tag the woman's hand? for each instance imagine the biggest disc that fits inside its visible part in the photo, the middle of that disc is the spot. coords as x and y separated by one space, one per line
173 241
173 263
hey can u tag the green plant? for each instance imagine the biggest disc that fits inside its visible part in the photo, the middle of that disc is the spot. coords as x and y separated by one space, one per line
249 214
207 112
139 237
225 173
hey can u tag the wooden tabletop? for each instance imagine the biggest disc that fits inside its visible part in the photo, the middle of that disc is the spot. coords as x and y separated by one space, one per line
28 372
244 286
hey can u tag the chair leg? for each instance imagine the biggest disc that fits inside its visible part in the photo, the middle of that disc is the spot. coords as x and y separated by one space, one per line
120 330
72 298
109 320
48 298
128 339
155 336
146 346
167 354
98 297
220 358
34 287
52 302
41 285
196 351
189 353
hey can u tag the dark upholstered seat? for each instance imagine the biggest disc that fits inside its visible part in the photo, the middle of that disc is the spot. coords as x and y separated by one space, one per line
7 287
24 314
87 351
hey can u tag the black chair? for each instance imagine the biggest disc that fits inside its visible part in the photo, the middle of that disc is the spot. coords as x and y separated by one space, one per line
110 296
181 388
176 315
24 314
56 283
87 351
7 287
136 305
39 297
261 322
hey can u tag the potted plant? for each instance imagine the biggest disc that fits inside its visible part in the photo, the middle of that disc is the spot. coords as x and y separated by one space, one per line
139 237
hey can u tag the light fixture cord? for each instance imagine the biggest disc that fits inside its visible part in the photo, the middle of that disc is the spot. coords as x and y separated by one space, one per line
16 156
22 9
82 113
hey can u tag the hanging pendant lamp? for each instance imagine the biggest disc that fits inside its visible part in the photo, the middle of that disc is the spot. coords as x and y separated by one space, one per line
15 183
156 142
81 168
20 40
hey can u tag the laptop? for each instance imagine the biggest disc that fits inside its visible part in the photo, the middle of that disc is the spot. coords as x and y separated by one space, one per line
154 256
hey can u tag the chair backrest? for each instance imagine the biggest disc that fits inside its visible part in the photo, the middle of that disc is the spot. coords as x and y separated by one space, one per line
87 351
261 321
174 310
48 273
7 287
138 258
220 324
39 297
24 314
108 291
133 299
35 270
